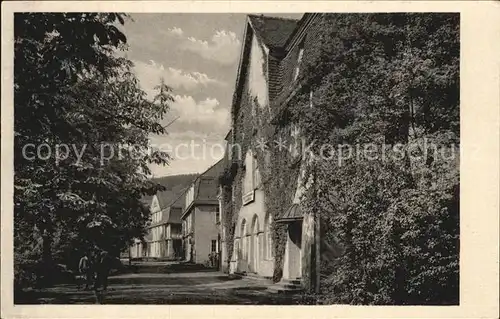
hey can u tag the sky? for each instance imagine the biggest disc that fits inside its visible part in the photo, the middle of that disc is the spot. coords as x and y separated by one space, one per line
197 55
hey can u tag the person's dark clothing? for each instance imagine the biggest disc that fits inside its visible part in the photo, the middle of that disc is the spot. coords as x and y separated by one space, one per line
102 268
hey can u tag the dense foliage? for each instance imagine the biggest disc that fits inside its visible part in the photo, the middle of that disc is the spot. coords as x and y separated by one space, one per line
75 94
390 81
385 96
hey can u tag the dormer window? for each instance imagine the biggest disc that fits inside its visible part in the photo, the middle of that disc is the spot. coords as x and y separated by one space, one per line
299 61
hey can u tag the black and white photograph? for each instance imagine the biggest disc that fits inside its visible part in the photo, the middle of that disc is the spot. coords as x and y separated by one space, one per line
237 158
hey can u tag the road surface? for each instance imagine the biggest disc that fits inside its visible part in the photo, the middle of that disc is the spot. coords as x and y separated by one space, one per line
201 287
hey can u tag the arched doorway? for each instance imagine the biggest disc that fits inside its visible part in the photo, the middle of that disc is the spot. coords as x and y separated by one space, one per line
254 246
293 250
243 248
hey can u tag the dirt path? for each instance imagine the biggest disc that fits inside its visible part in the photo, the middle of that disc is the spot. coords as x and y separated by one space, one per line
155 288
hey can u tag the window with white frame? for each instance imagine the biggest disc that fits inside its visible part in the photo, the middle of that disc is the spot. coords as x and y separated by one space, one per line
256 173
217 214
249 173
190 196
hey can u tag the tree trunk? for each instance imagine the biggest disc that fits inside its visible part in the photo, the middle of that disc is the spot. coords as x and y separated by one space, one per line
46 262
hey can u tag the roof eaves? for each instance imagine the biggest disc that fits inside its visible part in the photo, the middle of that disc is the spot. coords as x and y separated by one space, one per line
239 82
227 135
301 25
260 24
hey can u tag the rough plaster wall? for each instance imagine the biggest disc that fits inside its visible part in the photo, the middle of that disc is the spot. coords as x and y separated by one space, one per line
257 76
205 231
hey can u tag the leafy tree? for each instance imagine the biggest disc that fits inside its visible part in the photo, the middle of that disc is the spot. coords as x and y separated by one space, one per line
74 92
391 80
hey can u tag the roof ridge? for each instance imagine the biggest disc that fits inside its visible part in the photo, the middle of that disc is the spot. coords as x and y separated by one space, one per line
273 31
182 192
272 17
188 186
212 166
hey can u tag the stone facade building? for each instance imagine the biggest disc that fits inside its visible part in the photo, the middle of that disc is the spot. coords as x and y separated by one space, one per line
268 73
163 239
201 218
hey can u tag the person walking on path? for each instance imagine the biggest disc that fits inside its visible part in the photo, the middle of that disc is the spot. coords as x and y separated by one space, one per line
102 268
85 269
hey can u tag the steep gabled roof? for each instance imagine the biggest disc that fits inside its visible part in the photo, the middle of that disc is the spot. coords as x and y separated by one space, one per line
175 185
213 171
176 208
273 31
206 186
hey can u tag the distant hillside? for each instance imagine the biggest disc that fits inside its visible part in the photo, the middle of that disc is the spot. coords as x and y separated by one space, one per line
171 181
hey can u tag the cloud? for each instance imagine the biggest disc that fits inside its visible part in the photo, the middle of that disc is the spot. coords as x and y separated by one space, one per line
176 31
197 114
149 75
196 139
223 48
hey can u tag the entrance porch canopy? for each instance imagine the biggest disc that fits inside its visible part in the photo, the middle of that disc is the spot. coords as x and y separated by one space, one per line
294 213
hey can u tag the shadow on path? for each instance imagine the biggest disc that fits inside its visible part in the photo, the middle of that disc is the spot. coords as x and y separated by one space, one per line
180 288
